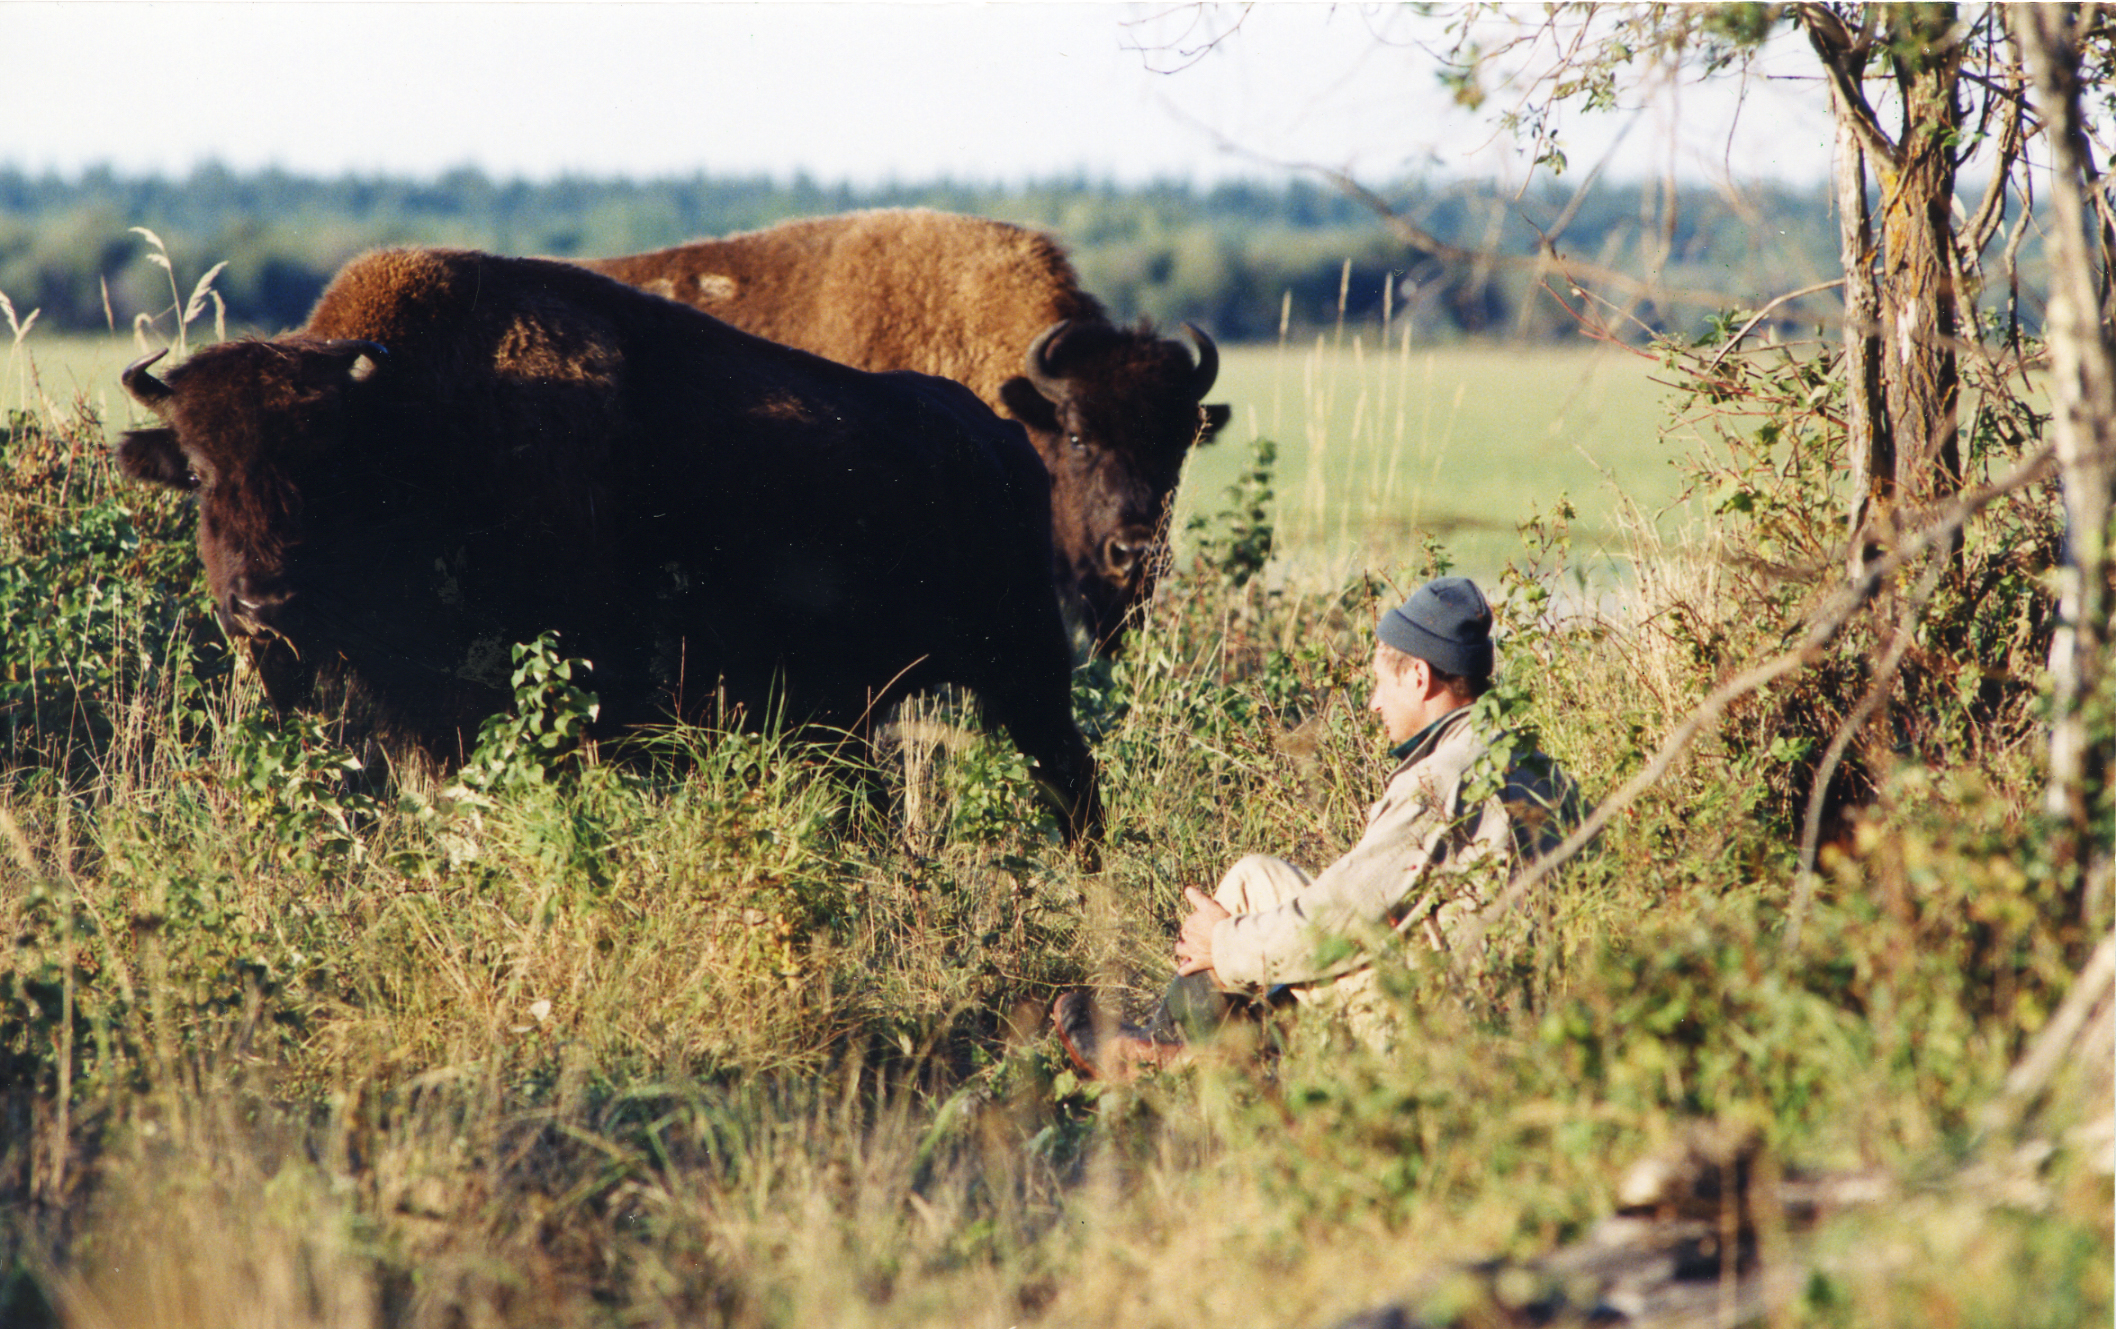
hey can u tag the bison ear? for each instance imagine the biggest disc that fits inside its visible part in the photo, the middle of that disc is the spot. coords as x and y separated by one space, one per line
1216 417
1029 406
152 455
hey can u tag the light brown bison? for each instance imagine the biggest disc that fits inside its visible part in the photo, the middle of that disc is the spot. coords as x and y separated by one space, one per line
1112 411
462 451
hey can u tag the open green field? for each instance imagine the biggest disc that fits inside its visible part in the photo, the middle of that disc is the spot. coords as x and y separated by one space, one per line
50 373
1379 448
1376 449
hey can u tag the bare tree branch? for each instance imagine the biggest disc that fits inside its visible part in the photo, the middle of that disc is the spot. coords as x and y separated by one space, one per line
1876 693
2057 1042
1574 271
1937 533
1191 55
1991 210
1843 58
1764 313
2083 401
1571 211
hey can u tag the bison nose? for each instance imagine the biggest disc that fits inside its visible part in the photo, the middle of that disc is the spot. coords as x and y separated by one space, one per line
251 605
1124 554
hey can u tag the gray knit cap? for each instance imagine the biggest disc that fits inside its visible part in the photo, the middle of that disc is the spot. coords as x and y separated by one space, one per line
1447 624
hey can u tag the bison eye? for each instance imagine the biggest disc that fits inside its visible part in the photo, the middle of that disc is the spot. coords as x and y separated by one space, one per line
1074 439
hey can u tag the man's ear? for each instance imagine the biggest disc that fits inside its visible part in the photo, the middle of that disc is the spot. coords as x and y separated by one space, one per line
152 455
1427 680
1029 406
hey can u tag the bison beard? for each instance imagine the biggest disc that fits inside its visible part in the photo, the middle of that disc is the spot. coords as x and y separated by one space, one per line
1112 411
463 451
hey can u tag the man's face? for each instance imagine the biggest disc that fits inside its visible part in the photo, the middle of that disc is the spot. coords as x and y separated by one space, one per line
1401 695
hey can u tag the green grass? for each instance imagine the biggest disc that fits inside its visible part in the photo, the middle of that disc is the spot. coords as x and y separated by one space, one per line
1376 450
49 372
1379 449
716 1042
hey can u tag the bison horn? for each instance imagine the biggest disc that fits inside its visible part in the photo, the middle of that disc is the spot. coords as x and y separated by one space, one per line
1208 360
142 386
363 357
354 346
1042 360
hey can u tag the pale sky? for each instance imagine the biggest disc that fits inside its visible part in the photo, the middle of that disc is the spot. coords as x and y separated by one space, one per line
864 93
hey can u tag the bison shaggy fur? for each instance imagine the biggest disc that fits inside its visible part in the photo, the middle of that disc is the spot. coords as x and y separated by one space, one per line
1112 411
462 451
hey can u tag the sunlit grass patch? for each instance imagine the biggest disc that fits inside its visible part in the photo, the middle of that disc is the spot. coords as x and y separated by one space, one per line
1378 447
1383 446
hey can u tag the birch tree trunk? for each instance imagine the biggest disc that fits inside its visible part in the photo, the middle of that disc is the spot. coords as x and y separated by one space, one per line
1869 446
1919 319
1902 385
2083 403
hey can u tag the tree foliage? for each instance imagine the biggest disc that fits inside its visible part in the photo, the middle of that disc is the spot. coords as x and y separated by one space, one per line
1923 96
1244 260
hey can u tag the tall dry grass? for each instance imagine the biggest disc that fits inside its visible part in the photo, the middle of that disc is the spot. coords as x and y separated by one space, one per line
713 1038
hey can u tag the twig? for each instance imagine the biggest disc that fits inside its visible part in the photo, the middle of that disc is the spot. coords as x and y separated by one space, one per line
1571 211
1416 236
1876 692
1574 271
1991 210
1832 617
1845 59
2053 1046
1764 313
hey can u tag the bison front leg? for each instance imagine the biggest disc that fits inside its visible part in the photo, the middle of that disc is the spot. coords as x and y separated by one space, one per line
1039 717
1067 779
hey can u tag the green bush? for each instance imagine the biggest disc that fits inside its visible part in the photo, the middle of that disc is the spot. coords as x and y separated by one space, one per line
101 604
689 1029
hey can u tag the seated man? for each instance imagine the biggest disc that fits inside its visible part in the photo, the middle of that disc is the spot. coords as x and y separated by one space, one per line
1449 827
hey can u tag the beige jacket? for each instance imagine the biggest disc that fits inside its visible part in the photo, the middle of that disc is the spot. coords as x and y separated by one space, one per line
1423 864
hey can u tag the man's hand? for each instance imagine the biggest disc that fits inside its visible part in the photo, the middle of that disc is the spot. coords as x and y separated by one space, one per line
1194 945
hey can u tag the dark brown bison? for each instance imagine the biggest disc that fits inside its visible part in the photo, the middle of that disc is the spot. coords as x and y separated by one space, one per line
1112 411
462 451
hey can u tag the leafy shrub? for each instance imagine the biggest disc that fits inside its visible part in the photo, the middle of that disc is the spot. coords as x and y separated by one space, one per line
301 807
994 795
1237 543
100 598
1772 477
536 742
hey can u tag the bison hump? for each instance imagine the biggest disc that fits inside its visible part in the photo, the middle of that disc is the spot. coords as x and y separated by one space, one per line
530 369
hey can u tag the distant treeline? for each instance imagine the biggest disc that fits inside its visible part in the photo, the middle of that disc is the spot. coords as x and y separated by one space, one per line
1238 259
